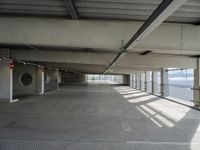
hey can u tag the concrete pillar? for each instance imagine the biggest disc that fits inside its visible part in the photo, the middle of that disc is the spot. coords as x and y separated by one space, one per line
145 81
152 82
126 80
6 78
140 80
130 80
139 83
164 88
40 81
5 82
134 81
58 78
147 78
196 88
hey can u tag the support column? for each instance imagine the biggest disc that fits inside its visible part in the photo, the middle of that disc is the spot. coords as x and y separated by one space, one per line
58 78
140 80
152 82
134 81
130 80
40 81
196 88
136 85
6 78
164 88
145 81
147 78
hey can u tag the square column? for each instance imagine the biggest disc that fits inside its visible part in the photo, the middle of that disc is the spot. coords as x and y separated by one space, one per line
58 78
140 80
40 80
164 88
153 82
134 81
131 80
196 88
148 76
145 81
6 77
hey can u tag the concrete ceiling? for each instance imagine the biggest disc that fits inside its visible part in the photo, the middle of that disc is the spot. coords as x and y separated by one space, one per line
45 30
134 10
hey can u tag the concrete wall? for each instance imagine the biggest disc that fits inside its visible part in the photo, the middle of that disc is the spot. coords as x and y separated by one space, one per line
72 77
14 83
5 75
126 79
50 80
18 87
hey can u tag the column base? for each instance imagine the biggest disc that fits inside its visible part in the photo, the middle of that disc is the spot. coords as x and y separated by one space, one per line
14 100
196 104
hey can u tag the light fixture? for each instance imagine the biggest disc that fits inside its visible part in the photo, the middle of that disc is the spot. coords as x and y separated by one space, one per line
145 52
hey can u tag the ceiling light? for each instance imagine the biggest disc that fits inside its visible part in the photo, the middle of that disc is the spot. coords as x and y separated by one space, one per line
145 52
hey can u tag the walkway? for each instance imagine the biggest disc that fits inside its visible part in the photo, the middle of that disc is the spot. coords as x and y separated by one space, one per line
98 117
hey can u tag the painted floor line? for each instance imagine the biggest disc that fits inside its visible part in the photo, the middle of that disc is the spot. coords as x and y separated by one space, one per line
163 143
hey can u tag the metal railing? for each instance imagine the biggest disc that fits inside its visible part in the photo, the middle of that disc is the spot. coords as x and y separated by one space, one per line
149 87
142 85
156 88
183 92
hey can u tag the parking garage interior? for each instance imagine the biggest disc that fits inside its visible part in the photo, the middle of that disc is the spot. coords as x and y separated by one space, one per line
99 75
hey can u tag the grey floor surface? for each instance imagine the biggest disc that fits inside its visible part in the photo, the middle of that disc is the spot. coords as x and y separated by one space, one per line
98 117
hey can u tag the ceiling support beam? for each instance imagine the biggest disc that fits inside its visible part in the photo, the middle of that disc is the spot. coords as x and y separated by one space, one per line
43 34
92 58
162 12
71 7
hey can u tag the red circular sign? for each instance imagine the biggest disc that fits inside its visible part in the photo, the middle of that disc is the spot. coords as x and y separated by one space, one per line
11 65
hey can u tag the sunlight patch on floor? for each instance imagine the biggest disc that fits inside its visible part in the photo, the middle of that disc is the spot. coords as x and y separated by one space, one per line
159 110
166 110
123 89
129 92
141 99
134 95
147 115
156 114
196 135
